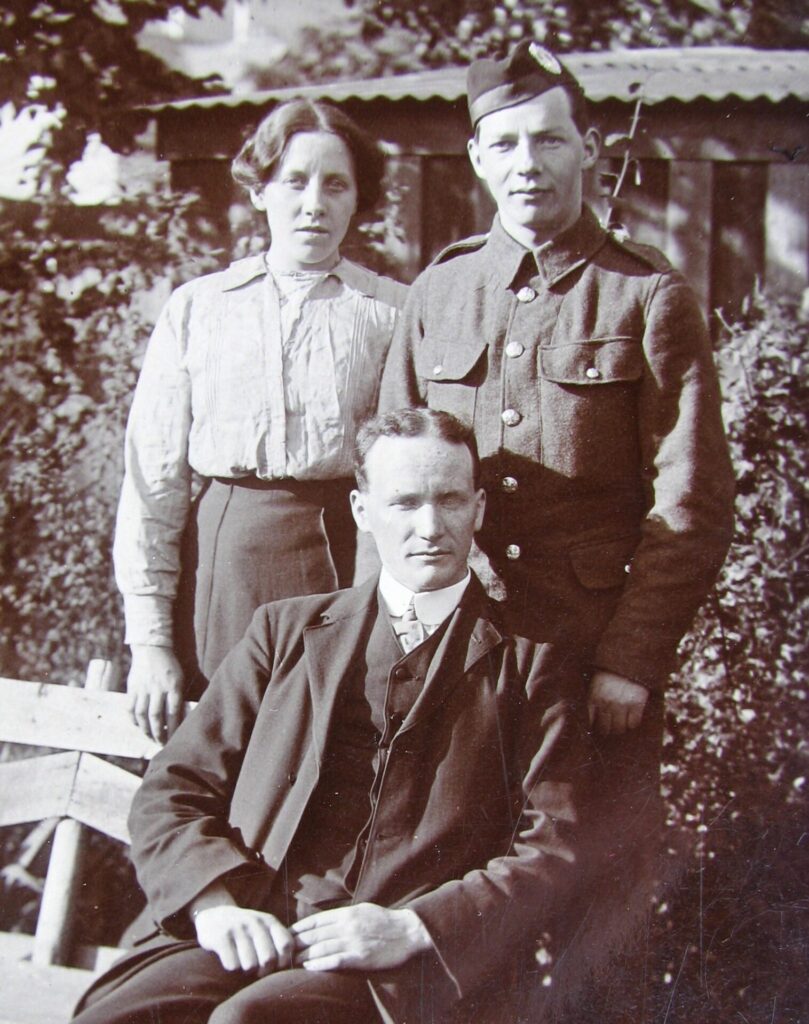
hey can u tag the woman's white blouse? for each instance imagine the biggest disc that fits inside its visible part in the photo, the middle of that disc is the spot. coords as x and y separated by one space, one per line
245 373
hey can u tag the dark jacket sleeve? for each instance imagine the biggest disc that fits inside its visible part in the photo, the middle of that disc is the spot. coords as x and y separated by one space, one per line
481 922
686 469
181 840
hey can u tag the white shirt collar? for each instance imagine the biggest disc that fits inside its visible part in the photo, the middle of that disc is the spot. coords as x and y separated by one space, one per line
432 606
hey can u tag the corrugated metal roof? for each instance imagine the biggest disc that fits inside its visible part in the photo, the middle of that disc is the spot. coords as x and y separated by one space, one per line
697 72
665 74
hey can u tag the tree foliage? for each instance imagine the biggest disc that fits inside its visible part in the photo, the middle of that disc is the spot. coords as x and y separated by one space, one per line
81 58
74 287
327 53
456 31
388 37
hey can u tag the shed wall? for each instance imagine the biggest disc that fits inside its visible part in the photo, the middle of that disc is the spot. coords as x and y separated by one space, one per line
723 187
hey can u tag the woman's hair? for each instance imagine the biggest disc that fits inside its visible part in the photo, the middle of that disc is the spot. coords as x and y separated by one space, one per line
261 154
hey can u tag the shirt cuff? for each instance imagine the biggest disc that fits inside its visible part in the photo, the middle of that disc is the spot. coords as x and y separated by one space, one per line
148 620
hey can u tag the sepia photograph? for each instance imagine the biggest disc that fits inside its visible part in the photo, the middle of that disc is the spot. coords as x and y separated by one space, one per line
416 391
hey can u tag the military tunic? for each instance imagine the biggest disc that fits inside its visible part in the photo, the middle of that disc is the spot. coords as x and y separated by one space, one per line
586 370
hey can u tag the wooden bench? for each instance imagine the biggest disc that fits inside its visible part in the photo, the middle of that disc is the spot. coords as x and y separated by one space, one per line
67 791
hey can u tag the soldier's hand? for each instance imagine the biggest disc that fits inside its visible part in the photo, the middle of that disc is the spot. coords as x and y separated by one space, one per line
155 688
616 704
365 936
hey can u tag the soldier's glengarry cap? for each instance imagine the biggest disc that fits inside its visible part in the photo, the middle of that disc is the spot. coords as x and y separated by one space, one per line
528 71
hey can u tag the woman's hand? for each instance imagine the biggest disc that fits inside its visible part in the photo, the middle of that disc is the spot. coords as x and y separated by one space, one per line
155 688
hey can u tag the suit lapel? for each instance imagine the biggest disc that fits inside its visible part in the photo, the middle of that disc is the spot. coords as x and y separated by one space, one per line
469 637
330 647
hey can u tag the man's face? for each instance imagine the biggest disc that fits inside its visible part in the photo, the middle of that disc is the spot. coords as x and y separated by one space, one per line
422 509
531 157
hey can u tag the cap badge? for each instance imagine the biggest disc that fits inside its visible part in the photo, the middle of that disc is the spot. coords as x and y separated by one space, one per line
545 59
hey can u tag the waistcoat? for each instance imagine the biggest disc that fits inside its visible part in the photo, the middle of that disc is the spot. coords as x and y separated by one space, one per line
325 858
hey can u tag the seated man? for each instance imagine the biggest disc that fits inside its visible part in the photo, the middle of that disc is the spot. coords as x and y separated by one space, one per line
373 812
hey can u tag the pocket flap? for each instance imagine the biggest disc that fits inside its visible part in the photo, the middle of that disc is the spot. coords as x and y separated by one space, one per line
602 564
452 363
598 361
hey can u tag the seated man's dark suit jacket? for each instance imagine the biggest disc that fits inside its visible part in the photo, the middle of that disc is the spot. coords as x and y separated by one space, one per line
477 820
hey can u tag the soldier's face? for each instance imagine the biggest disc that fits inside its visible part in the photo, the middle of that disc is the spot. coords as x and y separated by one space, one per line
531 157
422 508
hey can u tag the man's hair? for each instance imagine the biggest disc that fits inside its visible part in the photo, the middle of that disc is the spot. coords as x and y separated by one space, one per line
262 153
579 110
413 423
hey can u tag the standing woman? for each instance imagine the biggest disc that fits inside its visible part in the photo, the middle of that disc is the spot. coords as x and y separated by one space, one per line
240 437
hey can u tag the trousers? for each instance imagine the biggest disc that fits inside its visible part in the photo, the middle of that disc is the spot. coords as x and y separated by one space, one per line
184 984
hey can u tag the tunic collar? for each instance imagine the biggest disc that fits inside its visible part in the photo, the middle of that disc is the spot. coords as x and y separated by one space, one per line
554 259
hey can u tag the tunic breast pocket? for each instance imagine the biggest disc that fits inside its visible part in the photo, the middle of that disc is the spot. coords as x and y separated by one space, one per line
453 374
592 363
588 396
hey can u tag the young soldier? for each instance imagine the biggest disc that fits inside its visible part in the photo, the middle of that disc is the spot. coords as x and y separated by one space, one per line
584 365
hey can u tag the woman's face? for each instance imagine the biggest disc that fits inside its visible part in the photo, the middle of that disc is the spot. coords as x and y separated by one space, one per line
309 202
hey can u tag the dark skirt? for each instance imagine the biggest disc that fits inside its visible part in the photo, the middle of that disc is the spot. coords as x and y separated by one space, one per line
250 541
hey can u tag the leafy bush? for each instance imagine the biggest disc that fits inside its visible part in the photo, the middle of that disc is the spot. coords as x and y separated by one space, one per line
728 941
78 293
749 710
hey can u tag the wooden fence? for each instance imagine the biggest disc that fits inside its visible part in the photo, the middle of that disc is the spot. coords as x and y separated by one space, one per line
66 788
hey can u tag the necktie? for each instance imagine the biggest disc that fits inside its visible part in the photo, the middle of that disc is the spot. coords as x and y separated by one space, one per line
409 630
